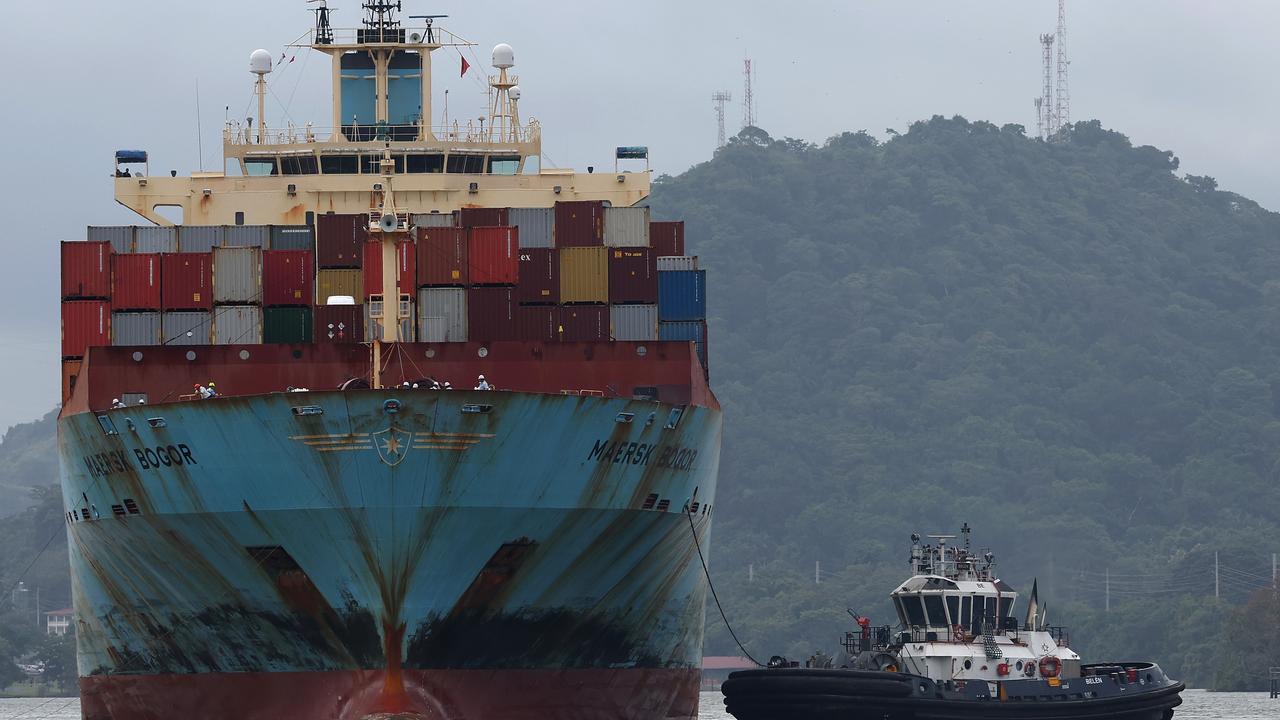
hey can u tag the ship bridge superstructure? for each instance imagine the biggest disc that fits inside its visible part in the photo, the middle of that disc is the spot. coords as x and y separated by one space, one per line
954 591
382 107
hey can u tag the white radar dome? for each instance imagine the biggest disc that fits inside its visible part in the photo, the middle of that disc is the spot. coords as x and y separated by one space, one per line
260 62
514 93
503 56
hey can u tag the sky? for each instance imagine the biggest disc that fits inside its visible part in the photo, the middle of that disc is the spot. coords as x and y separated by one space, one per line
1183 75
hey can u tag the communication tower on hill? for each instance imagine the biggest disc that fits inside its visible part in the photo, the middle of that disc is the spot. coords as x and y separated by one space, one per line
1053 106
1062 111
720 98
748 102
1044 103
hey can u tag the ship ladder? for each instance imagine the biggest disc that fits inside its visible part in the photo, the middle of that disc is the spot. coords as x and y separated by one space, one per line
989 643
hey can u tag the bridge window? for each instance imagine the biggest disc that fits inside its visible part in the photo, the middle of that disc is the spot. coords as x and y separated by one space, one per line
260 167
298 165
466 164
338 164
424 163
371 164
915 610
966 611
504 164
953 609
937 616
1006 606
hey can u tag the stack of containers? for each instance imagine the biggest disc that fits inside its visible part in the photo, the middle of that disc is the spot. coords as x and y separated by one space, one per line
86 297
682 302
633 275
493 257
237 298
288 286
406 283
443 276
136 290
584 271
538 291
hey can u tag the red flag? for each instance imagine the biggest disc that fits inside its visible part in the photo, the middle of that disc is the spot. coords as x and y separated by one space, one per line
465 66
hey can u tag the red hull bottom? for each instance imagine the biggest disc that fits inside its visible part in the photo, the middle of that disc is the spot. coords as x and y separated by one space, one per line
622 694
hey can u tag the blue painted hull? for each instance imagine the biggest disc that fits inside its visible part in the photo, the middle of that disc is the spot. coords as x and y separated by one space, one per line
244 537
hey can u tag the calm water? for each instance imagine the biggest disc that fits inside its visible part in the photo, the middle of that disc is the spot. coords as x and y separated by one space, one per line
1196 705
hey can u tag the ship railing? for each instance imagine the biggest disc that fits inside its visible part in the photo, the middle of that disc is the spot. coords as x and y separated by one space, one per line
1061 635
873 638
421 35
238 133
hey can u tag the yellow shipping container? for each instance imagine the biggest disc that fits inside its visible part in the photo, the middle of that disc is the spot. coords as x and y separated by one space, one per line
339 282
584 274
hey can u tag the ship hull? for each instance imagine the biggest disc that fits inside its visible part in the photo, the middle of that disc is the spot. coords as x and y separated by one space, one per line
381 553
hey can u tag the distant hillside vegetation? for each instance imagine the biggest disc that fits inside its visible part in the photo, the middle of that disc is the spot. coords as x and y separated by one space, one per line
28 459
1064 344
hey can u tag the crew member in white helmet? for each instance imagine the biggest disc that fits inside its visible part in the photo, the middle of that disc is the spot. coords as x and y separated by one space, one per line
115 403
482 384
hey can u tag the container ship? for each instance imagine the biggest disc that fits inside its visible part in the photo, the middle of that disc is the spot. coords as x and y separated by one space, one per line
284 498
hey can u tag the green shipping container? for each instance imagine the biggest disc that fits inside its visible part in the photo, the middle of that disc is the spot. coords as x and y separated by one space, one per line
286 325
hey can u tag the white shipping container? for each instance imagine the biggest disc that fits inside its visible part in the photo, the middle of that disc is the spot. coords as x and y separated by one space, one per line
237 325
258 236
442 315
135 328
149 239
237 275
626 226
677 262
537 226
431 220
199 238
633 322
185 328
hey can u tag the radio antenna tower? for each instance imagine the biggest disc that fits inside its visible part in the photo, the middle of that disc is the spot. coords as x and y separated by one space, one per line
748 102
1062 110
720 99
1044 104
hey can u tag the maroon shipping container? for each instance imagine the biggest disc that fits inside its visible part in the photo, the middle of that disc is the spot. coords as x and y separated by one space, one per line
288 277
579 223
186 281
667 237
493 254
86 269
537 323
482 217
338 324
406 267
633 276
584 323
442 256
85 324
340 240
491 313
539 277
135 282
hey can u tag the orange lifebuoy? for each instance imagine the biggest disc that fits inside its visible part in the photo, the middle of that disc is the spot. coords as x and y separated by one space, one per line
1050 666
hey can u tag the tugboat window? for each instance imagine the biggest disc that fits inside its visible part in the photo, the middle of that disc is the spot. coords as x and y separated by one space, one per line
915 610
966 611
937 616
953 609
1006 606
991 609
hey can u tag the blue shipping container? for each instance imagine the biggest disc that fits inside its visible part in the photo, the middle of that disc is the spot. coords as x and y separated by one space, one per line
695 332
682 295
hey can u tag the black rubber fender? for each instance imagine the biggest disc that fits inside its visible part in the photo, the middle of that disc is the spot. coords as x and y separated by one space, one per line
844 683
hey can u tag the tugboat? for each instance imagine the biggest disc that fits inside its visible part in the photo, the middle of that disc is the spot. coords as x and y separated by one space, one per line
958 654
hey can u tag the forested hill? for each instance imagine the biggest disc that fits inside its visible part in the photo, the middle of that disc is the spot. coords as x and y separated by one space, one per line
1066 345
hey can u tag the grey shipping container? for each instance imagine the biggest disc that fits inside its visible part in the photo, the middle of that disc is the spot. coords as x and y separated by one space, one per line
237 325
292 237
537 226
185 328
677 262
442 315
237 275
120 236
247 236
633 322
432 220
626 226
154 239
373 327
141 328
199 238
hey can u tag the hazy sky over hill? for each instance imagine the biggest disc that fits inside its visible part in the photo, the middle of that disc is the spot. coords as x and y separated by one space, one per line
1187 76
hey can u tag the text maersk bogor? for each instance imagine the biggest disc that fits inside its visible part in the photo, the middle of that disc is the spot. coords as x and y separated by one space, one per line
117 461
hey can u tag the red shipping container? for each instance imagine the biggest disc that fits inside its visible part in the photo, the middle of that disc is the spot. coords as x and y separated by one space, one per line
186 281
494 255
539 277
491 314
579 223
86 269
537 323
406 267
584 323
340 240
633 276
442 256
482 217
338 324
288 278
135 281
667 237
85 324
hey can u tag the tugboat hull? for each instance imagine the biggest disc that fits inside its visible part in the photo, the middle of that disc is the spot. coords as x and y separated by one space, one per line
841 694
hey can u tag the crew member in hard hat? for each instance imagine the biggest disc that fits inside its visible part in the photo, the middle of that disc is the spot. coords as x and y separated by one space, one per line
482 384
115 403
213 389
